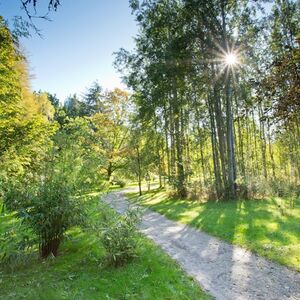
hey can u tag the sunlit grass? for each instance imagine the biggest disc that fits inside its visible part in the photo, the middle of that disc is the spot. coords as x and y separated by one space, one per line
80 272
268 227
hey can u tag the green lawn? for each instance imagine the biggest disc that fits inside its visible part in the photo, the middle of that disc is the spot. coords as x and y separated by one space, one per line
80 273
267 227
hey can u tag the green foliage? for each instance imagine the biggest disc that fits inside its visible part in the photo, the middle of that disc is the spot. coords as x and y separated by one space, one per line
94 99
25 127
16 241
119 236
111 131
120 183
74 107
217 123
47 205
260 188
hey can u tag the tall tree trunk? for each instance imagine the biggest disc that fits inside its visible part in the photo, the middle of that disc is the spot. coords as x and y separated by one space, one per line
230 141
166 130
216 163
139 170
181 186
263 141
240 139
221 137
270 149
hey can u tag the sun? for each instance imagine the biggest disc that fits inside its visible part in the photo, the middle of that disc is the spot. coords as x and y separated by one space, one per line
228 61
231 59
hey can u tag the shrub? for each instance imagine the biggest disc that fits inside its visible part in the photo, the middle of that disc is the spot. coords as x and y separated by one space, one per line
199 192
45 200
48 208
119 236
121 183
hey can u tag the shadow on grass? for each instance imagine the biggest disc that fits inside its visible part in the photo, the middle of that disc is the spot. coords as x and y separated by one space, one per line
260 225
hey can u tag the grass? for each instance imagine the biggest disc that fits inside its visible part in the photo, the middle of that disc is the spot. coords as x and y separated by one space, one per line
267 227
80 272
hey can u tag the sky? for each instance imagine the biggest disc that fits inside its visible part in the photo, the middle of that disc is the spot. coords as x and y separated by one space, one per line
77 45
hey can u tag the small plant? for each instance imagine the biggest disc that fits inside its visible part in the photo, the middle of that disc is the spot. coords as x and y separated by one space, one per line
15 243
119 236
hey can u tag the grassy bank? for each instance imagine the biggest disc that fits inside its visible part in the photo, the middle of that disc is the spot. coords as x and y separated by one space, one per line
80 272
267 227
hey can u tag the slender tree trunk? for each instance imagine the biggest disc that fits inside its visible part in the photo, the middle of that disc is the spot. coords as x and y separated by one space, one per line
230 142
240 140
139 170
221 138
271 150
181 187
213 136
166 130
263 142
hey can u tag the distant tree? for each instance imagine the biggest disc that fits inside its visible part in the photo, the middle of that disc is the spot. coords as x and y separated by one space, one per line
111 131
74 107
54 100
93 99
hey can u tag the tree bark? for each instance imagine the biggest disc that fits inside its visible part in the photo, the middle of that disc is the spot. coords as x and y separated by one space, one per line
230 142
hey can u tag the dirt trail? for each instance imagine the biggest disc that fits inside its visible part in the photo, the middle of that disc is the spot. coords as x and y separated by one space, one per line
225 271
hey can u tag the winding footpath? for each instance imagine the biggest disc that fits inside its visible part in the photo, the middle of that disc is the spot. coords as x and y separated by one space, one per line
223 270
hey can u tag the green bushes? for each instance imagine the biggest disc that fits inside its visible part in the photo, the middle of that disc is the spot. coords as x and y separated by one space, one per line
259 187
48 208
121 183
15 242
249 188
45 201
119 236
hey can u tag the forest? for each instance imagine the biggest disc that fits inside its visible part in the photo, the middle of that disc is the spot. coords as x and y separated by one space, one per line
205 136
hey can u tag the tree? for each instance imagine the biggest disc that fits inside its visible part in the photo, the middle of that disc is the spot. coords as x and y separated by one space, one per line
25 129
111 131
74 107
180 76
93 99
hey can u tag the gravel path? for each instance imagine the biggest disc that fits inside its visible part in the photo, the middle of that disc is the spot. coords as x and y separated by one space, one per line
223 270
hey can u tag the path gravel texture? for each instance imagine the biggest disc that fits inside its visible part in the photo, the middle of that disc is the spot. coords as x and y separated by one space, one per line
223 270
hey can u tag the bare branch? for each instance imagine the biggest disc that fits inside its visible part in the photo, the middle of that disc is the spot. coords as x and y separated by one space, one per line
53 5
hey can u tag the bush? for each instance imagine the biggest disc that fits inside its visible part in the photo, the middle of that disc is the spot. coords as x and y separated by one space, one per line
121 183
45 201
197 191
259 187
119 236
48 208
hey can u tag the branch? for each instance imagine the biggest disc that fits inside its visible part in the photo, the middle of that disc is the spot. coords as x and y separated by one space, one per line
53 4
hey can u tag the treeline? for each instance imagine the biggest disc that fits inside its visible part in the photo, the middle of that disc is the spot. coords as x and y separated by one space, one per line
31 122
218 82
51 154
